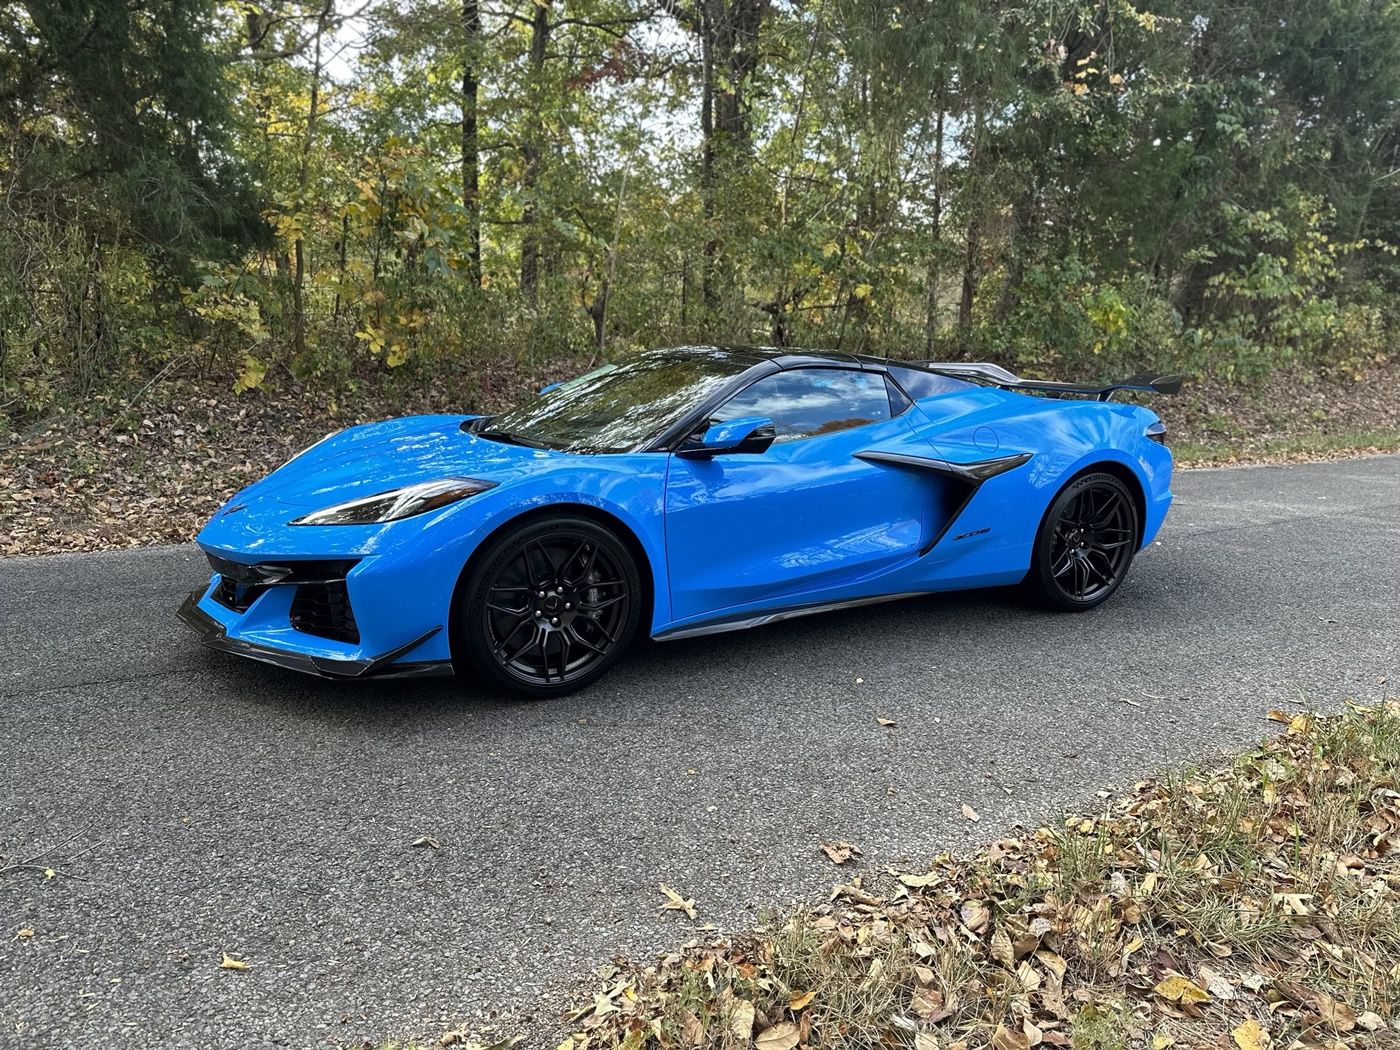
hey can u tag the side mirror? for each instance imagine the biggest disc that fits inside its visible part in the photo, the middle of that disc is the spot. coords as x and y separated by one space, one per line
749 434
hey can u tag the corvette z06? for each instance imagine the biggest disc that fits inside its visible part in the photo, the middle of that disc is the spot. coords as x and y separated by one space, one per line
680 492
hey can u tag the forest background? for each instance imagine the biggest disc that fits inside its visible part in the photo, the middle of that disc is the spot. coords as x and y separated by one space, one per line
292 192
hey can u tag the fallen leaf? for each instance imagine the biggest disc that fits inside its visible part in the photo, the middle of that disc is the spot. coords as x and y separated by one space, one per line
740 1020
675 902
782 1036
799 1001
1252 1036
1339 1015
887 721
1159 1042
1178 989
975 916
1279 716
1006 1039
840 852
969 812
426 840
231 963
692 1031
1002 951
924 1041
920 881
25 933
1372 1022
927 1003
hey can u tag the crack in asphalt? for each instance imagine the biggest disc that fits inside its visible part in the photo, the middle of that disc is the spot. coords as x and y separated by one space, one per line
246 809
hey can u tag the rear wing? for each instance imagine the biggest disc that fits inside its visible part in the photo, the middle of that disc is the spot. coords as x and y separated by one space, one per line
997 376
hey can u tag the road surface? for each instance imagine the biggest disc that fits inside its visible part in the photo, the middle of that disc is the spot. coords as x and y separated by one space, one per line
210 805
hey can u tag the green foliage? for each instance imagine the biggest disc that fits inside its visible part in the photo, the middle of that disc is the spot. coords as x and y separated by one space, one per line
1071 188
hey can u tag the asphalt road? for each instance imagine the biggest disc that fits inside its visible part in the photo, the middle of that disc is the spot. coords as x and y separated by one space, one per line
211 805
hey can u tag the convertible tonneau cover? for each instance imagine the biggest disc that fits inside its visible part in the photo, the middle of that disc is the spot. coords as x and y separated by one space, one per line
998 376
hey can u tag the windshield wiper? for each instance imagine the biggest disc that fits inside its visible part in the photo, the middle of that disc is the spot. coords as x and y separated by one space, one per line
508 438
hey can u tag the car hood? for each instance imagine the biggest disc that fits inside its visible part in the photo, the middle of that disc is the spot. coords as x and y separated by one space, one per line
377 457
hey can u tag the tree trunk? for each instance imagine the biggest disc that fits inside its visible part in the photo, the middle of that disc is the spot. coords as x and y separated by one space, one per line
532 153
935 241
729 37
303 179
974 247
708 294
471 154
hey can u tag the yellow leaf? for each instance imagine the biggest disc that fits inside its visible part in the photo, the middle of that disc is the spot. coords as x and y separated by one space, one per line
918 882
230 963
886 721
675 902
861 291
1252 1036
799 1001
1178 989
780 1037
1159 1042
26 933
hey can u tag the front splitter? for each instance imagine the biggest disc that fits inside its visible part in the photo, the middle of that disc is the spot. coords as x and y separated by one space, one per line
215 636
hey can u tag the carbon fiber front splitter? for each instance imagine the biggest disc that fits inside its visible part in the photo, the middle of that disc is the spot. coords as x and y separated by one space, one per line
215 636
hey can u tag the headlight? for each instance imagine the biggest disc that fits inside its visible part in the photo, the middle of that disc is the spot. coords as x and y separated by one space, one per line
397 503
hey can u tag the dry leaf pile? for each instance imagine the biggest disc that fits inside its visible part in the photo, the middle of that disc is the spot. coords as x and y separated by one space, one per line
1248 907
130 472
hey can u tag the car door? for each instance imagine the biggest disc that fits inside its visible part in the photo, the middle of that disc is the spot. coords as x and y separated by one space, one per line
805 518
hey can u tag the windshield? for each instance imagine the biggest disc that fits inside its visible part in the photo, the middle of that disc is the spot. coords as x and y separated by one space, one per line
617 407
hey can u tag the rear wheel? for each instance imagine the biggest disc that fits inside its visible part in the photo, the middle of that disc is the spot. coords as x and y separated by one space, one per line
551 606
1085 544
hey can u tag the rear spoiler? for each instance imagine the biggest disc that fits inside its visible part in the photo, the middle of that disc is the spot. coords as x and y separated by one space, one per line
1000 377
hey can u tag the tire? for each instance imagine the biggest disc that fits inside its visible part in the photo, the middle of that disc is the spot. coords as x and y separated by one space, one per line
1085 544
549 606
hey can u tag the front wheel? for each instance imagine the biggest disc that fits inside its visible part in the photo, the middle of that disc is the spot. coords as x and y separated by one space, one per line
550 607
1085 544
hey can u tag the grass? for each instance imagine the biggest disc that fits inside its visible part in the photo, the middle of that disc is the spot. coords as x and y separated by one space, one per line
1244 449
1253 904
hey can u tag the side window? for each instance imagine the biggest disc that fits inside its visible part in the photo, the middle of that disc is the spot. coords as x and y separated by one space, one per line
810 401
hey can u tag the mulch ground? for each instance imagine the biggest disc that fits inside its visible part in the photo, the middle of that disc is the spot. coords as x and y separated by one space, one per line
152 468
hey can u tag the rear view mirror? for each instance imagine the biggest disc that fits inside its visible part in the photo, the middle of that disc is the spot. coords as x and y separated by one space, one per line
752 434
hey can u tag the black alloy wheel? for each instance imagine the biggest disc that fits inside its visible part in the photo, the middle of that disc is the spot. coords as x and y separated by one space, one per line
551 607
1085 544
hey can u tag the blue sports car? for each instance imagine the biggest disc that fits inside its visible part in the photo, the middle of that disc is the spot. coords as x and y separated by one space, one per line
680 492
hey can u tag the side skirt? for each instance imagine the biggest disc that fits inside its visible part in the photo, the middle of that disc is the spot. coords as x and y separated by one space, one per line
722 625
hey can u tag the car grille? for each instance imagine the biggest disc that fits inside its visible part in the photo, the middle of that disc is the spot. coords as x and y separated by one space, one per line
236 596
323 609
321 605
